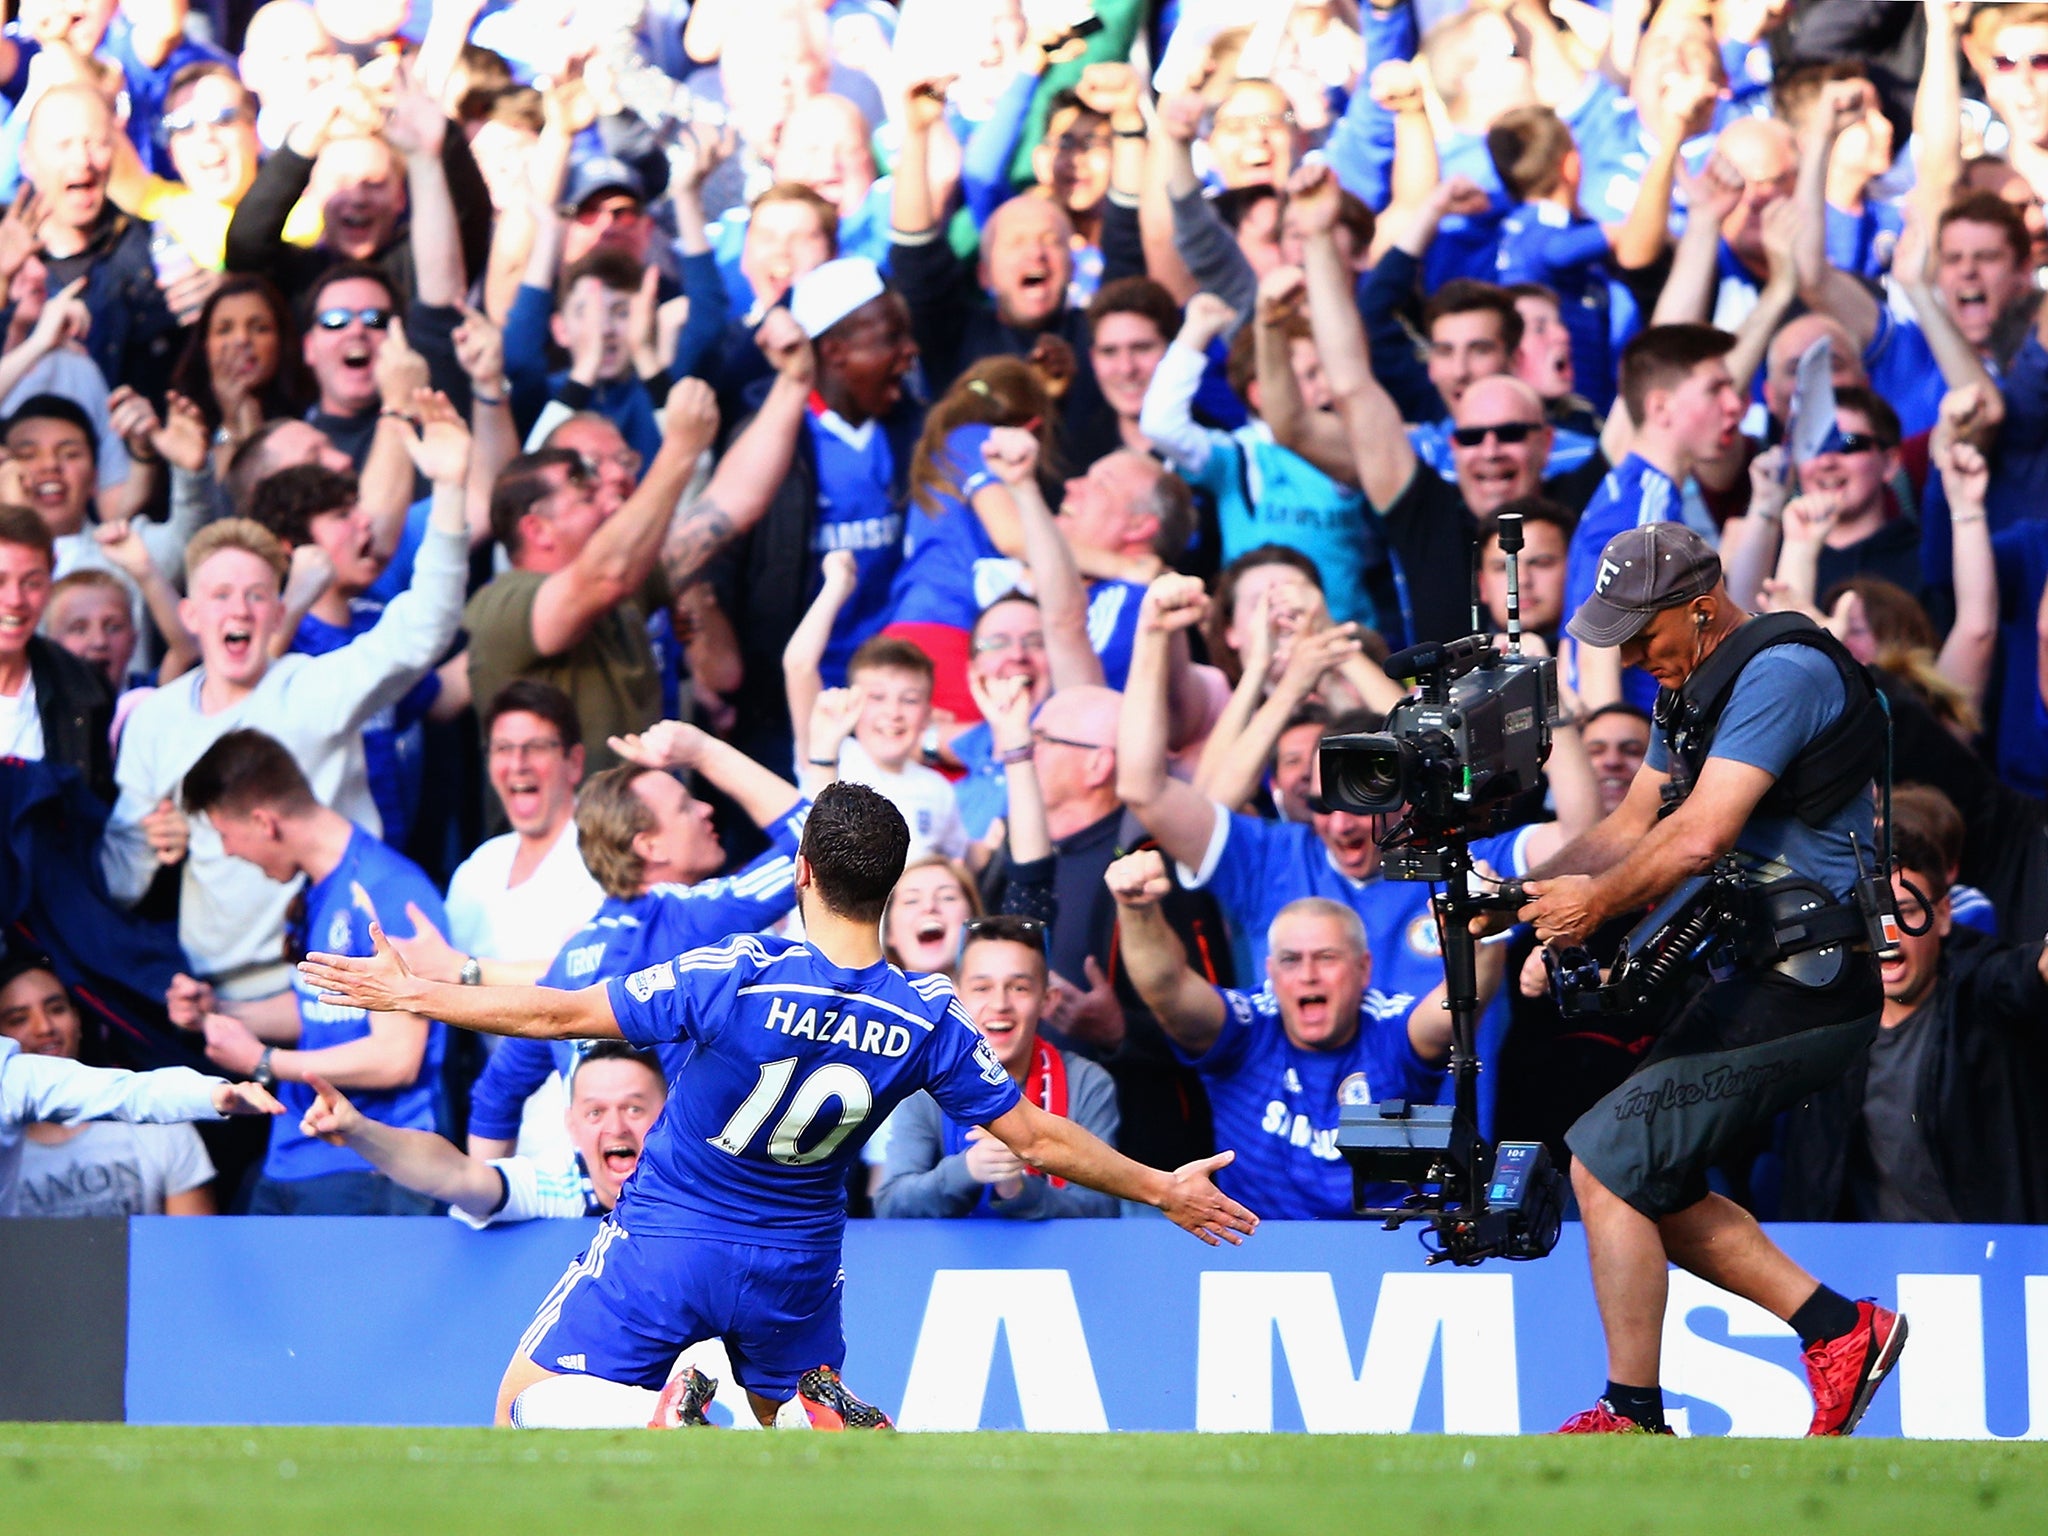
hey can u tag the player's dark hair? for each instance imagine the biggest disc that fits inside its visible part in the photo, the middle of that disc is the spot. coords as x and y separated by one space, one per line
615 1050
1663 357
855 841
544 701
245 770
287 502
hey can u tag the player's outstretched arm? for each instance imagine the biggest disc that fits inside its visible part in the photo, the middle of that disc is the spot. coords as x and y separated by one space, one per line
1186 1197
419 1160
381 983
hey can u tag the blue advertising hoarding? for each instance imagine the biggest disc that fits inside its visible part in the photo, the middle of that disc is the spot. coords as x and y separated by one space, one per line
1077 1326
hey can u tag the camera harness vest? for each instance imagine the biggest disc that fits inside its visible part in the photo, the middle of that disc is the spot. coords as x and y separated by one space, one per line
1791 916
1827 773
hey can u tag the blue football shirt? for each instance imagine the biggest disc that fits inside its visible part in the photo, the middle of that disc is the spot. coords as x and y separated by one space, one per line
794 1063
336 925
1276 1104
628 933
857 511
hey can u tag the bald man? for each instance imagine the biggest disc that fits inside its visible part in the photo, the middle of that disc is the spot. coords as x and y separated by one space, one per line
286 54
1765 154
1161 1103
68 155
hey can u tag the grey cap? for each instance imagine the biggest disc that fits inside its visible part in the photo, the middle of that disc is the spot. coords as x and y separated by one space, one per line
1644 570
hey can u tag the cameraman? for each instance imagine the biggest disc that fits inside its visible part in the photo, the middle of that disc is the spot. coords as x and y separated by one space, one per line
1770 738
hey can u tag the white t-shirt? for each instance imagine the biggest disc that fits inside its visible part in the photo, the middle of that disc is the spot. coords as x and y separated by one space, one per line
21 725
112 1169
494 920
537 1188
923 795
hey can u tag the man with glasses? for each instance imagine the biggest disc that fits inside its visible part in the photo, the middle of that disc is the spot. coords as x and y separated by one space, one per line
150 45
936 1166
208 131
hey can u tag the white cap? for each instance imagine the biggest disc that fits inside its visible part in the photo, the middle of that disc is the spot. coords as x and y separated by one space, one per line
827 294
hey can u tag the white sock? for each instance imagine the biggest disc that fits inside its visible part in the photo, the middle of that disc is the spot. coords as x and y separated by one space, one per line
791 1415
583 1402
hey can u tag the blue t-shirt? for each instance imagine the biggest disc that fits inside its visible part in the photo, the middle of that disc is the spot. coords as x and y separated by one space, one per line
1544 243
951 568
1786 697
1276 1104
1903 370
393 743
857 511
1862 243
795 1063
1263 865
1267 494
336 925
2021 553
629 933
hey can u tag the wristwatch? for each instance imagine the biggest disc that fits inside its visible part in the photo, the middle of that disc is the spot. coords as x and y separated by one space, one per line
472 972
265 1075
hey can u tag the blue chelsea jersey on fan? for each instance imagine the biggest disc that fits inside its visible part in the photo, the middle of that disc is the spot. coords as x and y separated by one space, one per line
625 934
1276 1104
794 1064
336 924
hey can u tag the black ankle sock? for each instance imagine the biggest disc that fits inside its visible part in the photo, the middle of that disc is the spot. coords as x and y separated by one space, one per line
1643 1404
1825 1314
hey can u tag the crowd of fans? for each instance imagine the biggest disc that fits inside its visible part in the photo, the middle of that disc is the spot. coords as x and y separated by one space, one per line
482 465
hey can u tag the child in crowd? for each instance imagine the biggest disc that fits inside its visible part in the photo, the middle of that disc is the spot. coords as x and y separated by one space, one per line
873 730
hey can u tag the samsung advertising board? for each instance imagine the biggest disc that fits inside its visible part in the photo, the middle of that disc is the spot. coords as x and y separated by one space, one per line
1091 1326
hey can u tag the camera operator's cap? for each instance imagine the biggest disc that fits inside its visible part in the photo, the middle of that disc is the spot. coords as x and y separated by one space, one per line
604 173
828 293
1644 570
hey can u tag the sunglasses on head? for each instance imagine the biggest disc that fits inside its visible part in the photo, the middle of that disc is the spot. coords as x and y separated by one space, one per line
190 118
1007 928
338 319
1509 432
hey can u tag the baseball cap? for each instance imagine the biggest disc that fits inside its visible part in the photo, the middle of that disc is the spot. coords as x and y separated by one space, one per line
1643 571
828 293
604 173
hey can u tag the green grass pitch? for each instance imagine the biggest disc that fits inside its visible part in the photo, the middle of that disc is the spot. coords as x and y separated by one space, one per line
111 1478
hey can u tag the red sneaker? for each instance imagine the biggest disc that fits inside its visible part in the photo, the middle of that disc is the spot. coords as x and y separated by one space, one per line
1845 1373
683 1400
1601 1419
829 1405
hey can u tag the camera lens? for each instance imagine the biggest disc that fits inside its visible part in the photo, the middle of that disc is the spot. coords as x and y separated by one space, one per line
1365 773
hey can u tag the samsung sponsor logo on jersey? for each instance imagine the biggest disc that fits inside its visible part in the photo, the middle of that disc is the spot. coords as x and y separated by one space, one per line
656 978
833 1026
859 533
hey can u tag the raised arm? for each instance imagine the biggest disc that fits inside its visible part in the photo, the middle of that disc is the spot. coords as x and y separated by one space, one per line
1236 774
1317 436
620 556
1379 438
417 128
1685 106
1938 110
803 657
1780 290
1688 291
1005 704
1967 655
1167 416
765 796
1182 818
1011 454
1187 1007
1913 266
753 467
1822 285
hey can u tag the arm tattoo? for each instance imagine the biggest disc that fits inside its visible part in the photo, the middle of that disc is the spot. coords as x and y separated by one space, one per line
697 533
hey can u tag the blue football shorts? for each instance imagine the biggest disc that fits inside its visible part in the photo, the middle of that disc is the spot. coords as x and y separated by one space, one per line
632 1302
